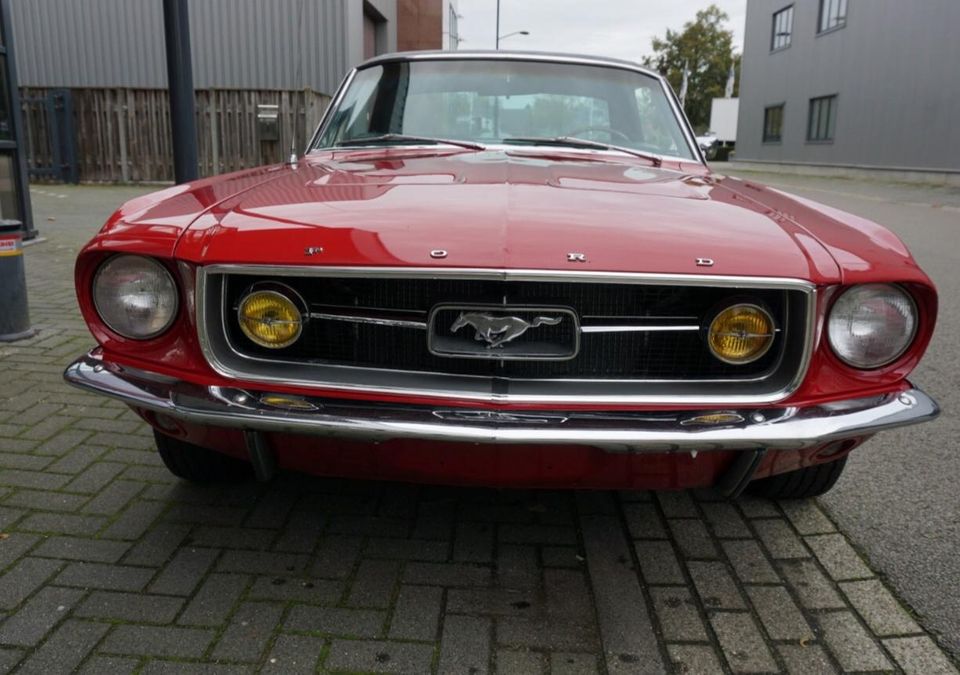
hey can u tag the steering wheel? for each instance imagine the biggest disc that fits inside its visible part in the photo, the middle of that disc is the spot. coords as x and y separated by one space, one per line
603 130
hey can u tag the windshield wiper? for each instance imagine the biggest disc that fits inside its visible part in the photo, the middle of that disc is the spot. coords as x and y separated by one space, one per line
574 142
387 138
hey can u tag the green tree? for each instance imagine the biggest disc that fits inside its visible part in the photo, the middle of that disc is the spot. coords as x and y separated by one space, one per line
705 45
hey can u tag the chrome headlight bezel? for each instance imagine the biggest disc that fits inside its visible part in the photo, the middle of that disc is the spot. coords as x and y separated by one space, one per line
169 297
849 301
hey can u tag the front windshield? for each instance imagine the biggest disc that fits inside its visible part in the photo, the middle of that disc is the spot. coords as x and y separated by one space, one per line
494 101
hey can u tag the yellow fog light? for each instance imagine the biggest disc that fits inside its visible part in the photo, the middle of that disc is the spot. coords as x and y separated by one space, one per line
270 319
741 334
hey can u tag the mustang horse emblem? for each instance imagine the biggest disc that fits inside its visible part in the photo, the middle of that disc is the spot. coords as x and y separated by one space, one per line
499 330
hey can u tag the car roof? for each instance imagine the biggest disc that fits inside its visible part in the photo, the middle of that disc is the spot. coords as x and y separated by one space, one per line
490 54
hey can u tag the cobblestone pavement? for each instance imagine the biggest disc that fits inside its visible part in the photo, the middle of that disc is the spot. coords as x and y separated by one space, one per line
897 499
110 565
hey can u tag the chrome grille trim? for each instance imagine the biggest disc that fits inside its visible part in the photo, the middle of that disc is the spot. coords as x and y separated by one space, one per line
431 382
383 319
638 329
374 320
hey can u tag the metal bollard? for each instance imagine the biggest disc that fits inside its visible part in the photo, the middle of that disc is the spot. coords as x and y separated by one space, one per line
14 315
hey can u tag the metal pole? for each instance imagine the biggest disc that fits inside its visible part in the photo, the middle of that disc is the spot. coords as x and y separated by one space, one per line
498 25
20 175
183 123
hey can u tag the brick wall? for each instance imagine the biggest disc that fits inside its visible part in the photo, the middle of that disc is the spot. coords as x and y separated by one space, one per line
419 25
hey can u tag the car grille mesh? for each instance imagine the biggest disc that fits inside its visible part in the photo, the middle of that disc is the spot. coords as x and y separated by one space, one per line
670 355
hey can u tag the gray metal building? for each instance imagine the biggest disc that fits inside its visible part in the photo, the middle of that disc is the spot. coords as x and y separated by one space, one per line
93 77
236 44
857 84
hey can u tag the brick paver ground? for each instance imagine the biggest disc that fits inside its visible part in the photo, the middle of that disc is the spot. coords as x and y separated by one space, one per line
109 565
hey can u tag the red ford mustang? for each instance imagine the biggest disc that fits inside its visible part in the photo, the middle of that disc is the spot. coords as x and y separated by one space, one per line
512 270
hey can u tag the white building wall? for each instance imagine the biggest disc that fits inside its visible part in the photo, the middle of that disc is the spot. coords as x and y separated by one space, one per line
451 28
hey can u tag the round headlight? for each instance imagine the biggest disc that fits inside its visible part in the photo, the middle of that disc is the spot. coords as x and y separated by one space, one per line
872 325
135 296
741 334
270 319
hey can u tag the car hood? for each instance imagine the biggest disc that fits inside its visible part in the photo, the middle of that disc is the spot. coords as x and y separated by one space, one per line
520 209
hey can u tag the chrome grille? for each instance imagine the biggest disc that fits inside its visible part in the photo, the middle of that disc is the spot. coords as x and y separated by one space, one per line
640 337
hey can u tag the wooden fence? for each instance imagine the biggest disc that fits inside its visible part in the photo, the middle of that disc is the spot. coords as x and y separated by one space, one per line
38 130
123 135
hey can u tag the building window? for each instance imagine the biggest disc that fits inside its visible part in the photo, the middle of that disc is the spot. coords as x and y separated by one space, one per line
823 118
772 123
833 14
782 29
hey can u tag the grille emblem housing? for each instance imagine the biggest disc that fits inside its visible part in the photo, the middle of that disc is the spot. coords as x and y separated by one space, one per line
503 332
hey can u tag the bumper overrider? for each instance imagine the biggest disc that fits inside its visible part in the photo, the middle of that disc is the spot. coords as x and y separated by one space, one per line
769 428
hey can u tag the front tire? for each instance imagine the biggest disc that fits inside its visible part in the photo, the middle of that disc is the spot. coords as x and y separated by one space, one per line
199 465
811 481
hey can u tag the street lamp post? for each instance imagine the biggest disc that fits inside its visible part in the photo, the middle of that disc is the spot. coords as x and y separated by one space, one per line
503 37
516 32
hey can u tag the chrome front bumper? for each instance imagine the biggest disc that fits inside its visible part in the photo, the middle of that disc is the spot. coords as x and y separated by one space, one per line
770 428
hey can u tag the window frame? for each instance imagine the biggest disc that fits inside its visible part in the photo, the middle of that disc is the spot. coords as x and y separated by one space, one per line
831 122
771 140
841 22
773 29
378 22
453 27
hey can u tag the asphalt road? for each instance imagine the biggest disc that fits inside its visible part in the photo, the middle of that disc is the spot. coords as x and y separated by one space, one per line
898 499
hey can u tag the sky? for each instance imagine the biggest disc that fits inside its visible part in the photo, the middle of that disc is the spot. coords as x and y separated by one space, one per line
615 28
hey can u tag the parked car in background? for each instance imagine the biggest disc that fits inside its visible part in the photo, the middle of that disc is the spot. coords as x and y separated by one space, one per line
709 144
512 270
